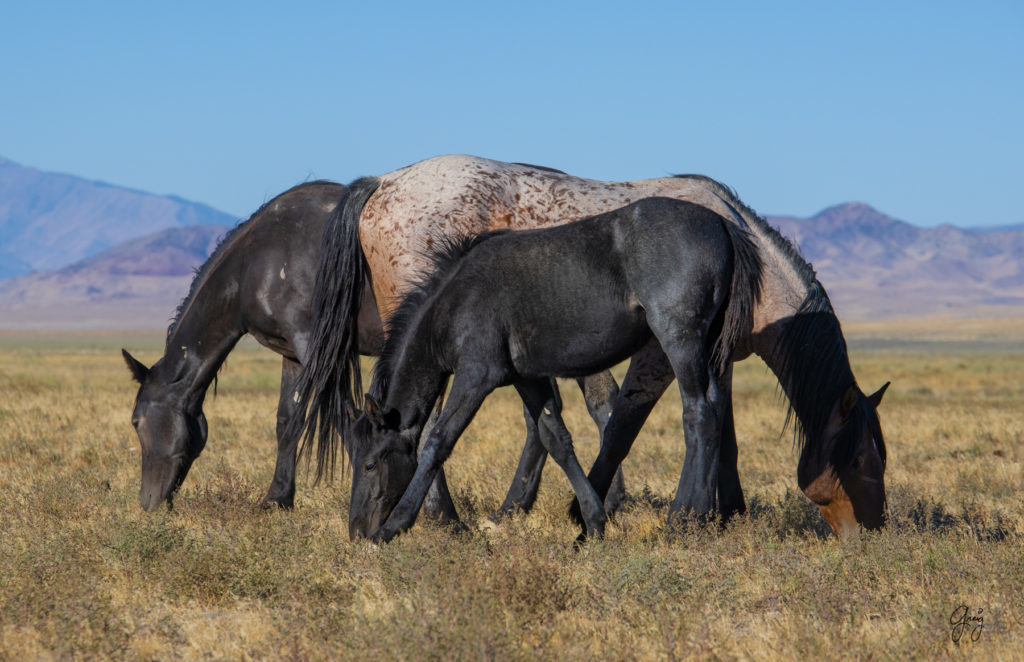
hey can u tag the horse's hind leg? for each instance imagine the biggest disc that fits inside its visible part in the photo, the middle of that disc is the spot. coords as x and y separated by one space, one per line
522 493
600 392
730 493
541 399
704 398
282 488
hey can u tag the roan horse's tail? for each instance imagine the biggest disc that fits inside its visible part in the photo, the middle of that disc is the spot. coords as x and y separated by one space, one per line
744 294
330 385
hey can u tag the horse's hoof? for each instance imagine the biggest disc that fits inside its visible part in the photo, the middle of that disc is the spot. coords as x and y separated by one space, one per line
586 536
679 522
381 536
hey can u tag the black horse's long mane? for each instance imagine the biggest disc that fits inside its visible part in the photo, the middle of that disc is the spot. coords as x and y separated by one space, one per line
815 366
223 246
443 258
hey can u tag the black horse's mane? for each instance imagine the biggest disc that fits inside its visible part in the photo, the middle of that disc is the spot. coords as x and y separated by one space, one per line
444 256
815 366
223 246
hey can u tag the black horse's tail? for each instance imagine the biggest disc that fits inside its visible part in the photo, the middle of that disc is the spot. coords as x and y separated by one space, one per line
744 294
330 385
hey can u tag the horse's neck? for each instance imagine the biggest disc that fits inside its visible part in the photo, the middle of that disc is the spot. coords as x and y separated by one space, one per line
780 300
804 346
201 340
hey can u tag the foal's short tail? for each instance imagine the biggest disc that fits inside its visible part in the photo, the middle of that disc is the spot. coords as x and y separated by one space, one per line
330 385
744 294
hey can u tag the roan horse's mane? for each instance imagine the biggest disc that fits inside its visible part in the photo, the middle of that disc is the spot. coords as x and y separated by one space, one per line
223 246
813 380
780 243
443 257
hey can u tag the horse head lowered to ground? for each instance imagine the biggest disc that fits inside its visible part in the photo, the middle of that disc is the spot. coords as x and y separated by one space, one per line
259 281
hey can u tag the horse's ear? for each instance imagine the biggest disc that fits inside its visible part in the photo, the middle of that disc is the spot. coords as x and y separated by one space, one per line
139 371
876 398
849 401
372 409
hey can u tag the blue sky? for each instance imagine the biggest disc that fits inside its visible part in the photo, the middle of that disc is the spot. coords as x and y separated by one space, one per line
914 108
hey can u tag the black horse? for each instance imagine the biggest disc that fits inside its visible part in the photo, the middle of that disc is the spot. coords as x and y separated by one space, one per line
520 308
260 280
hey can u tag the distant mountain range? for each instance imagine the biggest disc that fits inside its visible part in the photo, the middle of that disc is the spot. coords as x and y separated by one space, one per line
873 266
136 284
48 220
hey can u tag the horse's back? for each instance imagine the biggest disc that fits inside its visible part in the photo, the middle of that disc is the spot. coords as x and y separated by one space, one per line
574 299
459 195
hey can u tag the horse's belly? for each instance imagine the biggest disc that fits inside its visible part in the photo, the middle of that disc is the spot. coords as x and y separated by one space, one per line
576 348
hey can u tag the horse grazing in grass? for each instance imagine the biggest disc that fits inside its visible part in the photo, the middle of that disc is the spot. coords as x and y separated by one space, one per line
386 228
521 308
259 280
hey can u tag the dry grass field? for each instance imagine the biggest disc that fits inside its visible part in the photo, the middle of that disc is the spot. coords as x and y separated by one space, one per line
85 573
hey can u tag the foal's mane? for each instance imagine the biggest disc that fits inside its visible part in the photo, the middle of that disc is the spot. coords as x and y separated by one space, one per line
223 247
444 256
815 366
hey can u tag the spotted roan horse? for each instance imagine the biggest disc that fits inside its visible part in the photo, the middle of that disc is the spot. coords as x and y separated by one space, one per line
388 228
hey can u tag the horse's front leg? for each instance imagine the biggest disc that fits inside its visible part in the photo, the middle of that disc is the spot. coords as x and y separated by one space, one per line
600 392
468 392
541 399
282 488
438 504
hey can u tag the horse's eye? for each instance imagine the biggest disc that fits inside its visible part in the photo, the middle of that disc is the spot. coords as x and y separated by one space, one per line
370 466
